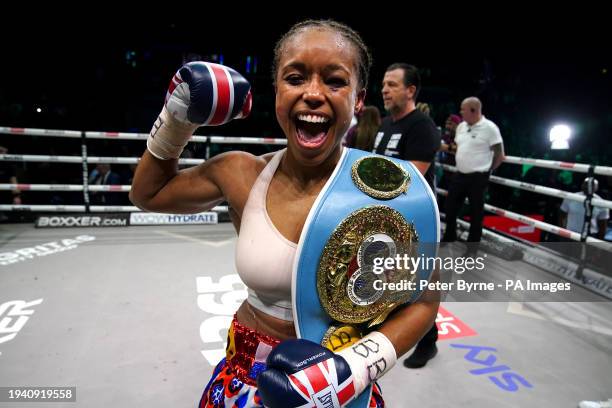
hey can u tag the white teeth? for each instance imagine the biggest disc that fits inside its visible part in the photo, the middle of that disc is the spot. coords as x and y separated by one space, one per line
313 118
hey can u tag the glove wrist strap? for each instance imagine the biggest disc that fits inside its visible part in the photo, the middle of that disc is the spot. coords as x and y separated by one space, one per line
369 359
169 136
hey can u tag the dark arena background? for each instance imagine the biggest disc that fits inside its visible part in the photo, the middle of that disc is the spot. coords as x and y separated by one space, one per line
136 314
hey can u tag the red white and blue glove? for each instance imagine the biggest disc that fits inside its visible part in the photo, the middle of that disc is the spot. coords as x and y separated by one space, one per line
301 373
200 94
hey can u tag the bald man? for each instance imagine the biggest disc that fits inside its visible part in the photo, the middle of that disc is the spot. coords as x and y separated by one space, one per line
479 150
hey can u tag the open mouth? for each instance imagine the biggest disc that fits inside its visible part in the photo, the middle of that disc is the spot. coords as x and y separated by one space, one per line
312 130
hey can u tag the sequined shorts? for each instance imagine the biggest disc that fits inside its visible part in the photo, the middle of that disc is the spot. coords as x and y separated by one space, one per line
233 382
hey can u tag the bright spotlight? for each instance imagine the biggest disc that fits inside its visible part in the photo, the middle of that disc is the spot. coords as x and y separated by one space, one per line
559 136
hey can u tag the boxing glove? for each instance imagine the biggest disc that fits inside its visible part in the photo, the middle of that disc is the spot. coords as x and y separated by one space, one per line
302 373
200 94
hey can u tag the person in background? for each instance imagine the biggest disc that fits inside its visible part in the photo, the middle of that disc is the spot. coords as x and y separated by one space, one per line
409 134
8 175
448 138
367 128
444 155
349 138
103 175
572 213
424 107
479 150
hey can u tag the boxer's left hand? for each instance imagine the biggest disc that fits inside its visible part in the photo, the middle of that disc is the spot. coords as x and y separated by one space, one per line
300 372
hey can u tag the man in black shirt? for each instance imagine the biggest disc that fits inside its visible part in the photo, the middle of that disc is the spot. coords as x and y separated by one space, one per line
409 134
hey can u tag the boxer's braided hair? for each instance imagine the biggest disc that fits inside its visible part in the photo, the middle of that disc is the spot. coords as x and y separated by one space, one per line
364 61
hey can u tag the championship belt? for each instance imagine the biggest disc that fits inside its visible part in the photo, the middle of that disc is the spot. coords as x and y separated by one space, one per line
371 208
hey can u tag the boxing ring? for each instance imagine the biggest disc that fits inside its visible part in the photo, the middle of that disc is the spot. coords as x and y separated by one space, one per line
137 315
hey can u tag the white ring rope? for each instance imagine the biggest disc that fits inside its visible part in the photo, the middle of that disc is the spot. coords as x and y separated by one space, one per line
549 164
82 208
40 132
577 167
247 140
137 136
133 136
79 159
553 192
562 232
65 187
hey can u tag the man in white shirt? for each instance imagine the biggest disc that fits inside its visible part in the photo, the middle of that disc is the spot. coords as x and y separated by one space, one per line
479 149
572 214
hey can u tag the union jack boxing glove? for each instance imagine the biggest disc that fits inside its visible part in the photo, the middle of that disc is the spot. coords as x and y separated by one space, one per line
200 94
301 373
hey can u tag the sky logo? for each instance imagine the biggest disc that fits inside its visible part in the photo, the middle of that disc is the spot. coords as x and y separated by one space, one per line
500 374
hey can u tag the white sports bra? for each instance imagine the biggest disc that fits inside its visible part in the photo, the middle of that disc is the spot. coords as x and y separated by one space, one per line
264 257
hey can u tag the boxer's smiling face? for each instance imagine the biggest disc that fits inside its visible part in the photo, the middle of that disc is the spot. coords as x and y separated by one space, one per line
317 92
